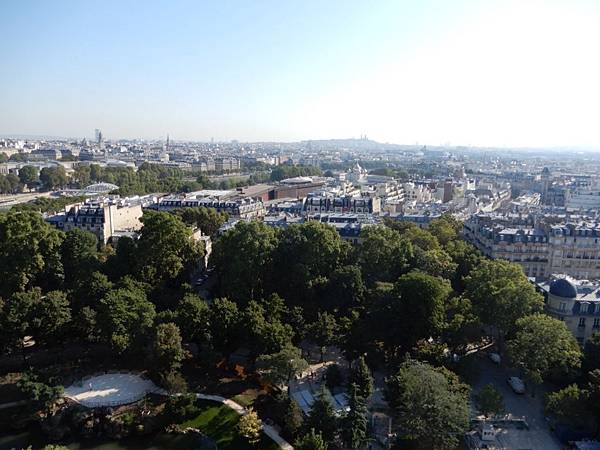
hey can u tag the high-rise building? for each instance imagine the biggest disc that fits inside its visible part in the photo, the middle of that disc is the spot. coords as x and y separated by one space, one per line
98 135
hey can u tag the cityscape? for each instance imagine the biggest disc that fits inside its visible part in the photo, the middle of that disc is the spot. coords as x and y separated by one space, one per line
295 282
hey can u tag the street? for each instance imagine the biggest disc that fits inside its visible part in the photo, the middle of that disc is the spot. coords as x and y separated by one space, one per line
539 436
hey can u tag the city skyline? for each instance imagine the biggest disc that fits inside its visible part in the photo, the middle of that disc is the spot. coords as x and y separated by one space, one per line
503 74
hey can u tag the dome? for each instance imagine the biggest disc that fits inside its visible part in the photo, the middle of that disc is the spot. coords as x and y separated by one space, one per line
297 180
101 188
562 287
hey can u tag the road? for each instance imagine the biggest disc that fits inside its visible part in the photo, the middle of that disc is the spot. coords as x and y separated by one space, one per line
539 436
6 201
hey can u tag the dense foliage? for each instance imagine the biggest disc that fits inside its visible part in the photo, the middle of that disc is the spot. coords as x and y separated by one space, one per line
406 300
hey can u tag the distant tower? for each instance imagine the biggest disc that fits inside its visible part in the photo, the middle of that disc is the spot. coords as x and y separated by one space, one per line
546 176
167 145
97 135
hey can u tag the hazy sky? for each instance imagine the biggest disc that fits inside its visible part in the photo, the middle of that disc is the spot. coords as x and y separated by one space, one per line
501 73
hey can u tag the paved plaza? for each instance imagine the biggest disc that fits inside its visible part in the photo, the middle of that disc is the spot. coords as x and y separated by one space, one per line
110 389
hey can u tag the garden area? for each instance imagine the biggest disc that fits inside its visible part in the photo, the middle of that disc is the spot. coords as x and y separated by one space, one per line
219 422
189 424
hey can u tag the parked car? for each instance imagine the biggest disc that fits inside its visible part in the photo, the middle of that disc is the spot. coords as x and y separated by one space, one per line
516 384
495 357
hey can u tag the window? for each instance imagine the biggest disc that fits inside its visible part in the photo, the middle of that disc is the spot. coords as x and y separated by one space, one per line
581 322
563 306
596 323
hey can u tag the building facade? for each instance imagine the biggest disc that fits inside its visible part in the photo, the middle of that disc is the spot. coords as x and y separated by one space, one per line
103 219
574 302
540 248
341 204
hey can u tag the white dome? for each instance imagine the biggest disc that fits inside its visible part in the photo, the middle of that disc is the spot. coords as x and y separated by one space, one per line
297 180
101 187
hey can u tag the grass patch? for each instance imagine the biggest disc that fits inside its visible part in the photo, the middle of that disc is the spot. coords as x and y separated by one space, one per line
220 423
246 398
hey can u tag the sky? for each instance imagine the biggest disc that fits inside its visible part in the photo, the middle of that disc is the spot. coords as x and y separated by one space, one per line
481 73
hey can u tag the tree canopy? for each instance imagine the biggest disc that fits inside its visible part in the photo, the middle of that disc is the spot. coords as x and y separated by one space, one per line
432 411
530 347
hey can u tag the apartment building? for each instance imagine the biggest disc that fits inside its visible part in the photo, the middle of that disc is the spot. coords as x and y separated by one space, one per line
105 218
323 203
571 248
575 302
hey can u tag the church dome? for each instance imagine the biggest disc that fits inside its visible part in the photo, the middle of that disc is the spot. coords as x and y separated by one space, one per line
562 287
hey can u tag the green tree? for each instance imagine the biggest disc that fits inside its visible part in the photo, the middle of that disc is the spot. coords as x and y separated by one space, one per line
323 331
29 252
345 289
124 261
96 173
501 294
124 317
79 256
30 313
333 376
279 368
362 378
167 352
312 440
322 418
18 157
29 175
421 238
490 400
166 249
54 177
466 257
209 220
81 175
414 310
304 260
224 324
51 315
569 405
264 335
543 344
250 427
355 423
462 325
436 263
89 293
14 184
172 382
17 314
591 353
445 229
243 278
180 408
41 396
293 418
593 392
193 318
383 254
432 410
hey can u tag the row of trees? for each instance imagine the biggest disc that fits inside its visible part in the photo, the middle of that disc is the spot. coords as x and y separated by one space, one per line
29 176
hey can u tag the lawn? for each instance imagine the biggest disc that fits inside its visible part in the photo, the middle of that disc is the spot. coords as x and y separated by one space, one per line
219 422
